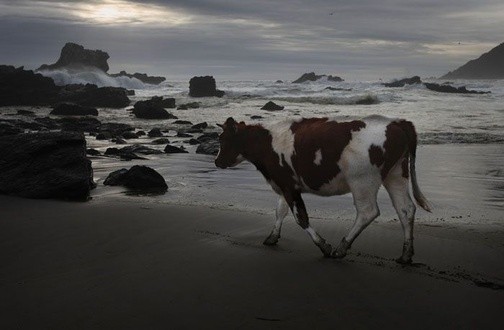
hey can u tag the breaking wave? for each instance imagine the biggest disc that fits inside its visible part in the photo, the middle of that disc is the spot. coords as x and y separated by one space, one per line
99 78
328 100
455 138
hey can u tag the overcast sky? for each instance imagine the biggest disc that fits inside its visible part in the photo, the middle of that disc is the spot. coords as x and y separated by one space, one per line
257 39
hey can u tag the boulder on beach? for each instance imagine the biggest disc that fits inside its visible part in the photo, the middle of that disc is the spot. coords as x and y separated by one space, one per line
311 76
45 165
152 109
169 149
93 96
76 57
139 178
209 147
23 87
272 106
70 109
402 82
143 77
451 89
202 125
155 132
490 65
190 105
204 86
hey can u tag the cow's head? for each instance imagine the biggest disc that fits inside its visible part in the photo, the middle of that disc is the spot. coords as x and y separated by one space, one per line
230 153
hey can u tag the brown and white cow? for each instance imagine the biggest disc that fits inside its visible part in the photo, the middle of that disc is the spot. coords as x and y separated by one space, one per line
326 157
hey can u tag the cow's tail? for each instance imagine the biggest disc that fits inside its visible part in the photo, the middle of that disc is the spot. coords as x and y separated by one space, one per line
410 132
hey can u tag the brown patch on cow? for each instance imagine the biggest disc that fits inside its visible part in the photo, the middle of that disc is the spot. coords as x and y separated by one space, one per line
376 156
311 135
400 136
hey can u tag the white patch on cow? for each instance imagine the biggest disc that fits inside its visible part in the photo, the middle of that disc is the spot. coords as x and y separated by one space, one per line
355 160
282 140
318 157
313 234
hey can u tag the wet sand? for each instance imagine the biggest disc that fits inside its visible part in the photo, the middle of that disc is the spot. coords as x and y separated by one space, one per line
121 265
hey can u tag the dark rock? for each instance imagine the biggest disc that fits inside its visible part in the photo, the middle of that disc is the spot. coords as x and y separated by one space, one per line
330 88
155 132
139 149
168 103
93 152
405 81
141 133
368 99
194 142
488 66
451 89
103 136
93 96
129 135
272 106
182 122
23 87
119 140
130 92
138 177
153 80
161 141
208 136
70 109
191 105
313 77
111 151
279 82
79 124
183 135
169 149
194 130
76 57
7 128
256 117
210 147
203 86
25 113
45 165
152 109
202 125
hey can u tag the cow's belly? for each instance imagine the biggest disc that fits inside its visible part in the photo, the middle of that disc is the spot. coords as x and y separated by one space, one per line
336 186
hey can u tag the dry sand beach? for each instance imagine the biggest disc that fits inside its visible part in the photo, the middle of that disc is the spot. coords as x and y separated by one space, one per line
122 262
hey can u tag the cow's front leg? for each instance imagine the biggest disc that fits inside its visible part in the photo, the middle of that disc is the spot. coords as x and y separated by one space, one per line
280 214
298 209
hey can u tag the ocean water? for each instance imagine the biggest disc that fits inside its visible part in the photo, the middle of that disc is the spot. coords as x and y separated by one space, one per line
460 158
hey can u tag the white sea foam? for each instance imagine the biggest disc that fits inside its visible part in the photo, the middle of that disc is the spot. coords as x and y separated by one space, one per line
64 77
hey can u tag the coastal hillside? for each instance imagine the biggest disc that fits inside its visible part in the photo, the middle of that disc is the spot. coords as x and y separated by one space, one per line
488 66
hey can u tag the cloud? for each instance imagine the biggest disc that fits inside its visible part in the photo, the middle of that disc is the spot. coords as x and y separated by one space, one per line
257 38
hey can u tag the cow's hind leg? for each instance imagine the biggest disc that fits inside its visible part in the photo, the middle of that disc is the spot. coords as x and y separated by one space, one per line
397 187
281 212
298 209
364 193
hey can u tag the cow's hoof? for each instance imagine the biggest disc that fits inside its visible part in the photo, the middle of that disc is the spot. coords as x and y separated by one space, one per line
271 240
341 251
404 260
326 249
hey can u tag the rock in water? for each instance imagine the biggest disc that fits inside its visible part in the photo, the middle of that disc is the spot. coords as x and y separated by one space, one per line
93 96
210 147
405 81
154 108
153 80
311 76
69 109
272 106
74 56
45 165
451 89
140 178
204 86
23 87
488 66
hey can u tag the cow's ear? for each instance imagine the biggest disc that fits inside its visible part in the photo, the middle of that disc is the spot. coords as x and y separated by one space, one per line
231 124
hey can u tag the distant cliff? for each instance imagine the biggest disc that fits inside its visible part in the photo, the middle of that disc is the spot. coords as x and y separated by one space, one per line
488 66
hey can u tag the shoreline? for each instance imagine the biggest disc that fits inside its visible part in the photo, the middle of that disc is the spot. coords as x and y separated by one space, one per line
133 265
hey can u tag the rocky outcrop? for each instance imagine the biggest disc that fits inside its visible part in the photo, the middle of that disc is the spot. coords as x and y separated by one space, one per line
169 149
451 89
94 96
204 86
154 108
488 66
76 57
153 80
23 87
45 165
405 81
70 109
311 76
209 147
138 178
272 106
